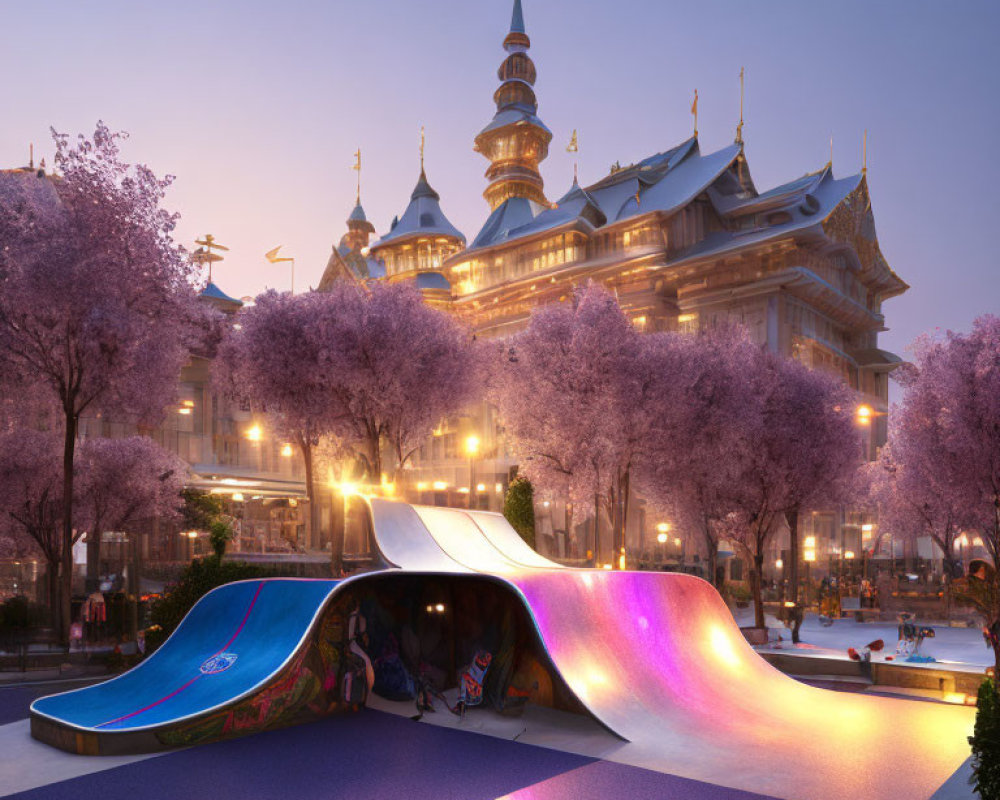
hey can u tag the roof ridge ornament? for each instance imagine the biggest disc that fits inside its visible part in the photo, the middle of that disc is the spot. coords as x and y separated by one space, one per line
694 111
739 126
357 168
864 153
574 147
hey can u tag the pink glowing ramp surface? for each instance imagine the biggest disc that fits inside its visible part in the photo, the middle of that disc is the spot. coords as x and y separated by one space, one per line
658 659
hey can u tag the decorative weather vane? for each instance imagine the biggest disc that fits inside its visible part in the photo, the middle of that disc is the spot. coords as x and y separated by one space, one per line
357 168
864 153
574 147
272 256
831 149
694 110
421 149
204 255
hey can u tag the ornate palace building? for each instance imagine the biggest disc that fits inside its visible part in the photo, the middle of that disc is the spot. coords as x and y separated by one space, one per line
683 237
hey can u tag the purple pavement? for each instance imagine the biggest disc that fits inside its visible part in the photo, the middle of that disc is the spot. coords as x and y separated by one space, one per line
377 755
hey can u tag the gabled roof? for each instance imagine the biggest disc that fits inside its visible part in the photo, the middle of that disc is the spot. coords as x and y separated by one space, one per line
519 217
213 293
423 217
662 182
511 215
825 193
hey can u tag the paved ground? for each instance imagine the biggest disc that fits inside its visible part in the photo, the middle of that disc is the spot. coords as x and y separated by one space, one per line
373 754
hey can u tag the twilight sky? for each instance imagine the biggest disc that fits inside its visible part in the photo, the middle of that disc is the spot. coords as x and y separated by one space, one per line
257 108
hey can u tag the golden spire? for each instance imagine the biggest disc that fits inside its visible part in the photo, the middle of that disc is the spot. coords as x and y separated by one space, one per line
830 162
739 127
421 149
864 153
694 110
574 147
357 168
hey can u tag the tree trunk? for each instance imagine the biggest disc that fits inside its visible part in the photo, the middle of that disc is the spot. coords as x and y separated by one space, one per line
66 567
712 546
312 527
756 575
93 561
597 530
793 570
52 589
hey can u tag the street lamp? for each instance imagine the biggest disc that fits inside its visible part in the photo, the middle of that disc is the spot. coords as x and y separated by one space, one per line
472 448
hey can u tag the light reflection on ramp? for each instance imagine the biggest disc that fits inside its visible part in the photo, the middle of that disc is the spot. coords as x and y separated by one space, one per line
658 658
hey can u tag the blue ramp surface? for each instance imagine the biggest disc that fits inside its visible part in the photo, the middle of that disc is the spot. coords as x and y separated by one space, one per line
234 639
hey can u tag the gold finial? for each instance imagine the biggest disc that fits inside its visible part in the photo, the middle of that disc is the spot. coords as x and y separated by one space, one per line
694 110
421 149
830 162
739 127
574 147
864 153
31 155
357 168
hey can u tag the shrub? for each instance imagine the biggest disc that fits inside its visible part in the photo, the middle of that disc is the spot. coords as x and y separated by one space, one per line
985 742
519 509
198 578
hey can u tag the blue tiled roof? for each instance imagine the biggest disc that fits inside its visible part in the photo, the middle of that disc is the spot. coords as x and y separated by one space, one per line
432 280
423 216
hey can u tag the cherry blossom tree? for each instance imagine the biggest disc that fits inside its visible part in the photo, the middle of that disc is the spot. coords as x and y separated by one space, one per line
395 368
946 438
273 356
96 300
804 451
693 448
121 482
372 369
572 390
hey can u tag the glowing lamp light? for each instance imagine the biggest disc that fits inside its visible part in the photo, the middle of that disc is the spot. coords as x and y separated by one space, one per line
440 486
868 527
677 541
293 503
286 450
255 433
621 561
192 534
661 538
238 497
779 564
809 555
348 489
606 566
184 410
848 554
439 608
810 543
472 445
498 488
421 486
480 487
546 503
663 527
864 414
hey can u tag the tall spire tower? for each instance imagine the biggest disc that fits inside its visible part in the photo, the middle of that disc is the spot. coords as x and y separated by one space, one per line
516 140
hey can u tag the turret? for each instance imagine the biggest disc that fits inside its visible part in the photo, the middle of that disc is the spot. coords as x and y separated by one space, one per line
516 140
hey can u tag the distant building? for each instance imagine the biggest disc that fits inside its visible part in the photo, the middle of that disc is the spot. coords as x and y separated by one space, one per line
686 241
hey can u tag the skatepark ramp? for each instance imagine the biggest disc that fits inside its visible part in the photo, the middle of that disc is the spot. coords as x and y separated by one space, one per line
654 657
